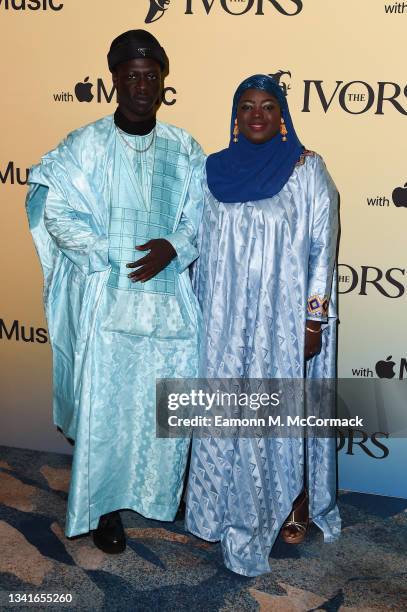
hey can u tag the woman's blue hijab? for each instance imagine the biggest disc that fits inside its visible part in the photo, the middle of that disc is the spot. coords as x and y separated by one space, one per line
247 171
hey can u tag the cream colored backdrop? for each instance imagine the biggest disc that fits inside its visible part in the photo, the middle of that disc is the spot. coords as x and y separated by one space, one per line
212 46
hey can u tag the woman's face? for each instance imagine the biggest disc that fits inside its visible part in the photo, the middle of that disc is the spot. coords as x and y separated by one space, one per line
258 115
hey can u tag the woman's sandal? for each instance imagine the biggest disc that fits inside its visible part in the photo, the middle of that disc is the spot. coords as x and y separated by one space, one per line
296 524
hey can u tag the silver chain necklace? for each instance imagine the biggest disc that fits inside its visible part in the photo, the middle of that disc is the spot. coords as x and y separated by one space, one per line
119 131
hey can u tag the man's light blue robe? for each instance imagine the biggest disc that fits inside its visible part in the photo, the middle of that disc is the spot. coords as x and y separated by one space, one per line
264 268
91 201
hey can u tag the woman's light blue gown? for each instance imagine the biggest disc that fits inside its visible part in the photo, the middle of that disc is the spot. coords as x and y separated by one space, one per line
265 267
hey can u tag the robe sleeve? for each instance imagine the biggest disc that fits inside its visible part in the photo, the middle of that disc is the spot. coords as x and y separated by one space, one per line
73 235
72 230
323 244
184 238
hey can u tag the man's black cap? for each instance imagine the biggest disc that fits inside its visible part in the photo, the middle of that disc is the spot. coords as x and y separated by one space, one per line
136 44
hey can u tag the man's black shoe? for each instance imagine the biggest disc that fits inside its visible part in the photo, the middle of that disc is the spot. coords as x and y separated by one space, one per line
110 536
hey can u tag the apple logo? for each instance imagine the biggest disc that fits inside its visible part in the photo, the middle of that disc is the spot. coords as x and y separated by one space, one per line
399 196
385 369
83 91
156 7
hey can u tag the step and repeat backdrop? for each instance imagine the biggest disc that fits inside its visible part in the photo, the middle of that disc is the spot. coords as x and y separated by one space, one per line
342 66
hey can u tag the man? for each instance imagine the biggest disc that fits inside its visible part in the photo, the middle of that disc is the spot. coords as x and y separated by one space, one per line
113 211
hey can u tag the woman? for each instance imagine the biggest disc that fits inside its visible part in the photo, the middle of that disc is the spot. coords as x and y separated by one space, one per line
264 281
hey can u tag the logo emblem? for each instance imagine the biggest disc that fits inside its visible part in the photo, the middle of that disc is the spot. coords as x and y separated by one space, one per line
282 78
399 196
83 91
385 368
156 10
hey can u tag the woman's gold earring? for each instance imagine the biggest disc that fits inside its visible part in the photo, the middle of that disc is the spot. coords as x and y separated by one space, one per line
283 130
235 132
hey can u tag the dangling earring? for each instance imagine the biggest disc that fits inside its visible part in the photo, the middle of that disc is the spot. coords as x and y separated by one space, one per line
283 130
235 132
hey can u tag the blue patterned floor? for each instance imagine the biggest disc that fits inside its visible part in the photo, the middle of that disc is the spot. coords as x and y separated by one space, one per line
164 568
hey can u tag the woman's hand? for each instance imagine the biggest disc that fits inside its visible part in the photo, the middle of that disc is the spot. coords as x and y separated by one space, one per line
313 339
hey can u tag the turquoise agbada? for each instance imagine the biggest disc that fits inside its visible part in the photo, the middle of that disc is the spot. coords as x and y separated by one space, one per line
90 202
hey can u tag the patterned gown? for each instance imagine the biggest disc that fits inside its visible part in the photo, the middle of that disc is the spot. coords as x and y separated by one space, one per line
265 267
91 201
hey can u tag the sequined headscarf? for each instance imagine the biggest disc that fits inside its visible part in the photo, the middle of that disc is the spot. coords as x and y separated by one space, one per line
246 171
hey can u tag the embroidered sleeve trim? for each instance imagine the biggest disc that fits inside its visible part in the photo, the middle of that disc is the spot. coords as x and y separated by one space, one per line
304 154
318 305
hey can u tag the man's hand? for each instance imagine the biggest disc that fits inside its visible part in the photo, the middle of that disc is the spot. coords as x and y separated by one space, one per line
313 339
160 255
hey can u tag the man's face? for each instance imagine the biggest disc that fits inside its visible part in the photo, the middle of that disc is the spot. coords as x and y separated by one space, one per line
139 87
